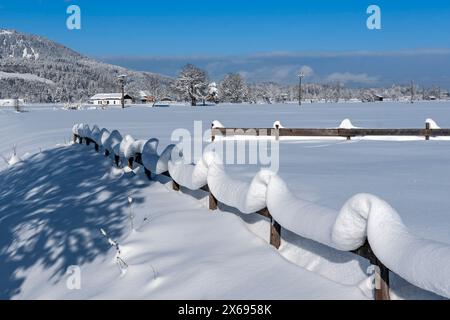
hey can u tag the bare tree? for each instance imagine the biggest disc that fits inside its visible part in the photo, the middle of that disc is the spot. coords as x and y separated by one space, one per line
233 88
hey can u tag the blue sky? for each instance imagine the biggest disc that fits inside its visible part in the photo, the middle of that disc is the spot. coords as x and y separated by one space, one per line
208 27
224 36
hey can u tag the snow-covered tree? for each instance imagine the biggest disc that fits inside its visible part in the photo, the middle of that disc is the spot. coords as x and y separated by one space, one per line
233 88
192 84
213 93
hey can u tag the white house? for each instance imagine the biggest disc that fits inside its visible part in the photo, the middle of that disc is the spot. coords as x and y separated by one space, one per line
103 99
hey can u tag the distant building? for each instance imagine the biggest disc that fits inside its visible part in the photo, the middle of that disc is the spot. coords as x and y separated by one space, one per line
164 102
105 99
145 97
378 97
148 99
284 97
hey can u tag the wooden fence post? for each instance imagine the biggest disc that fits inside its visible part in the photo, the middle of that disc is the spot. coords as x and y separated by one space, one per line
212 201
381 291
75 138
277 132
275 233
213 137
381 281
130 163
275 228
427 133
81 140
88 141
97 148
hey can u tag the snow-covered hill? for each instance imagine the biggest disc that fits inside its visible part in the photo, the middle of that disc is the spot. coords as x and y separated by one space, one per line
40 70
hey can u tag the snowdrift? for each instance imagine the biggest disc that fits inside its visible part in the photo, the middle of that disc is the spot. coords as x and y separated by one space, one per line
424 263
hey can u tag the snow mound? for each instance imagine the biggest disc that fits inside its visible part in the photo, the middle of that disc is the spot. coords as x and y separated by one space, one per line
125 146
347 124
189 176
15 159
104 136
152 161
301 217
433 124
424 263
84 130
96 134
112 143
75 128
247 197
134 148
81 130
217 124
277 124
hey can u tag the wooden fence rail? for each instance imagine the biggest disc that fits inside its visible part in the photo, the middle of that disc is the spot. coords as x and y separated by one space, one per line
381 290
277 132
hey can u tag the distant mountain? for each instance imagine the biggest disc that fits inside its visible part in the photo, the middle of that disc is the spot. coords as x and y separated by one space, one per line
39 70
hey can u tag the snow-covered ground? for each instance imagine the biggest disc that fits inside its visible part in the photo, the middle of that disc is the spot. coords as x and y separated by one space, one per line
179 249
412 176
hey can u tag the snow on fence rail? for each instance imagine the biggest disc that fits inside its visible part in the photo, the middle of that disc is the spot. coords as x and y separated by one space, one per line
366 225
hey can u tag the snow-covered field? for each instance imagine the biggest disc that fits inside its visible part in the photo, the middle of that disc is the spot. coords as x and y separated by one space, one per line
55 203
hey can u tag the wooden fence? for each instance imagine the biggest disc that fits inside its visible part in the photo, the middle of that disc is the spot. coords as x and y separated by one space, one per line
381 290
277 132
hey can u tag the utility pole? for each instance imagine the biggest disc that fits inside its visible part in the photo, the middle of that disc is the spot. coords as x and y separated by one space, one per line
300 96
338 91
412 91
121 79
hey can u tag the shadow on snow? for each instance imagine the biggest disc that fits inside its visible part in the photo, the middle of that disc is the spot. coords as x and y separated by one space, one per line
52 208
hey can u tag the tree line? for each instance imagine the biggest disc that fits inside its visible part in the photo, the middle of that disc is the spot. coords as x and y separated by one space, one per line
193 85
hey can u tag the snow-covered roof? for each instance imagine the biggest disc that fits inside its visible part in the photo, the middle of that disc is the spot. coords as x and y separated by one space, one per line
143 94
109 96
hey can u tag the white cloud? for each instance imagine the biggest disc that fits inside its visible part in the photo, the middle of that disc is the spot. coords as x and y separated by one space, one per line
353 68
346 77
281 73
307 71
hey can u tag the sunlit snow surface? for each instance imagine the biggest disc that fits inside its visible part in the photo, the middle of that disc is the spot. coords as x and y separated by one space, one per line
412 176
